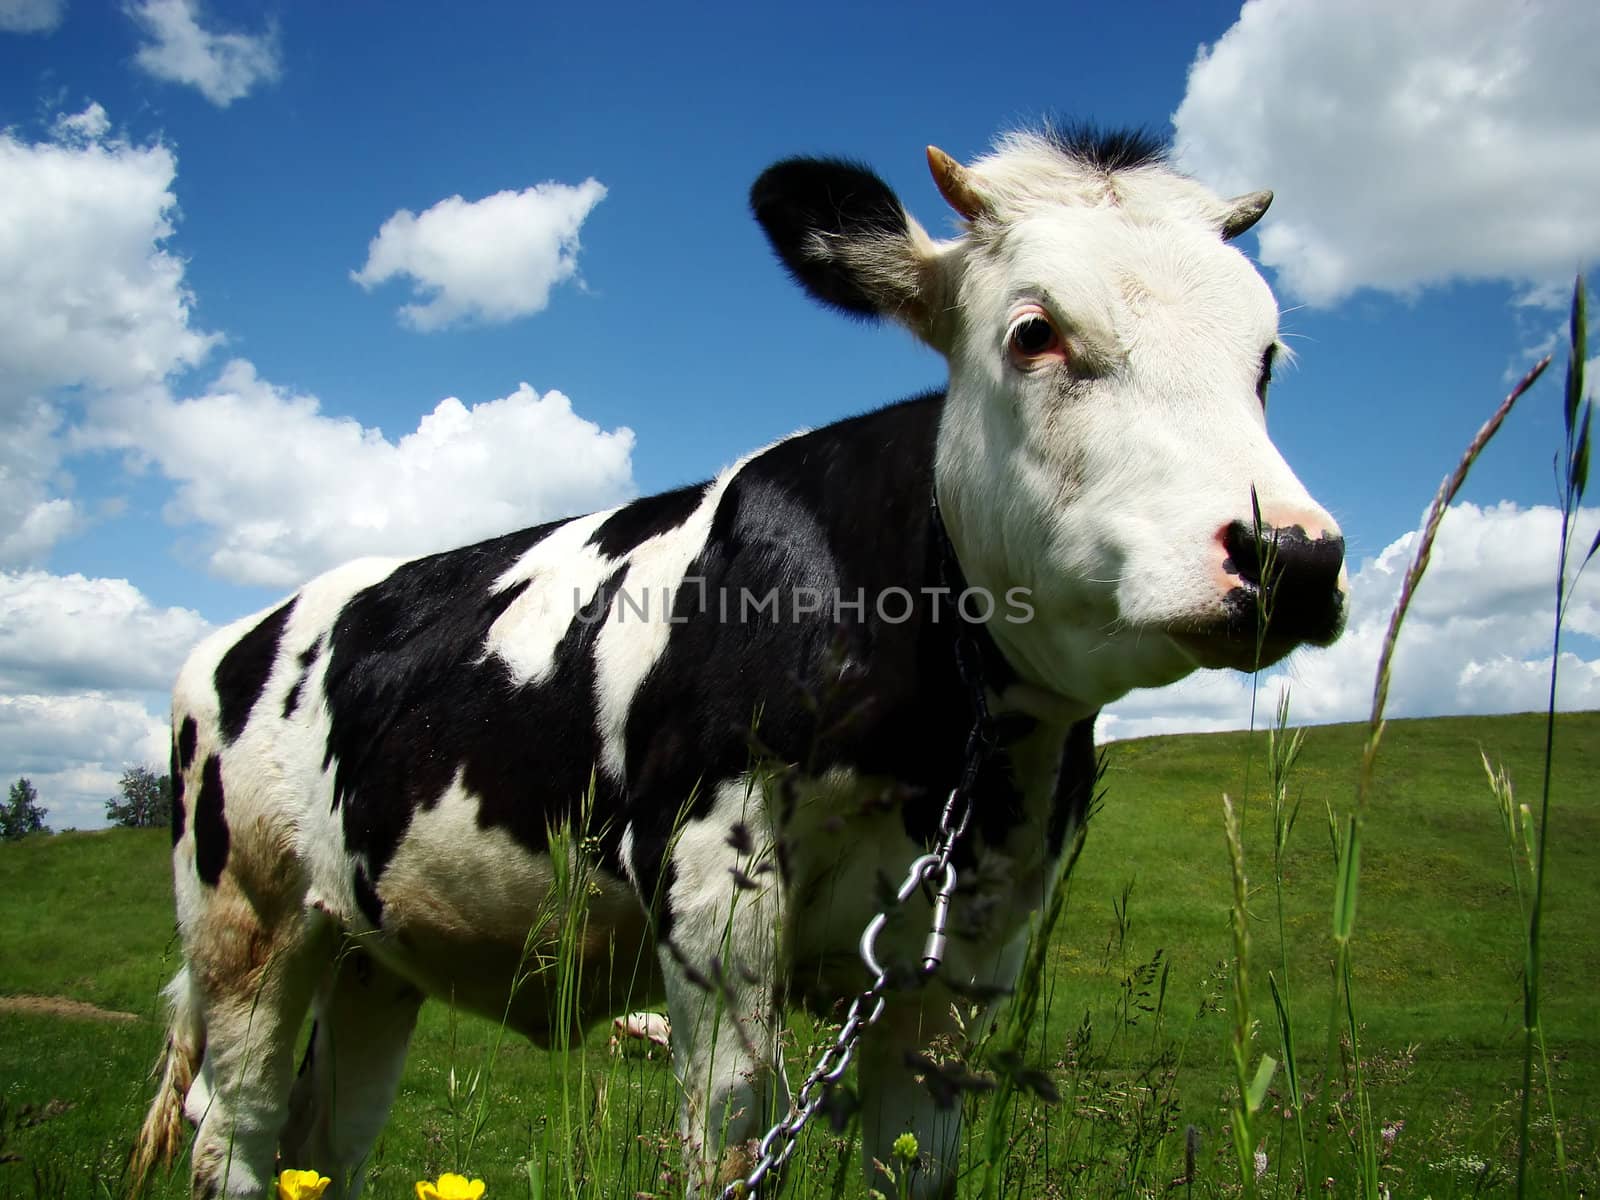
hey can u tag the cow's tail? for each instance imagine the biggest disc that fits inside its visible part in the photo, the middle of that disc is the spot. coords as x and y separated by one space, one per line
163 1133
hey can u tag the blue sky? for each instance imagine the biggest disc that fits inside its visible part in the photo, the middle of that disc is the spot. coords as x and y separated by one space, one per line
204 404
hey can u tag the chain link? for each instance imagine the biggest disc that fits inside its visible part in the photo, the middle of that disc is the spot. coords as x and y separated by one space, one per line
779 1143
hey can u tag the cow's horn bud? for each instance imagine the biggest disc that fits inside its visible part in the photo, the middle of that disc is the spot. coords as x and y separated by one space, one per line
955 184
1243 212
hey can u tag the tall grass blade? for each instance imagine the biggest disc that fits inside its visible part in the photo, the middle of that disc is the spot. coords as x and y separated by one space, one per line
1575 477
1348 846
1283 750
1578 477
1419 564
1347 882
1239 922
1291 1070
1257 1091
1577 339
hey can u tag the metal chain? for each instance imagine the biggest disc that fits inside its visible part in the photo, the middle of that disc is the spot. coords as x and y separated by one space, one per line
779 1143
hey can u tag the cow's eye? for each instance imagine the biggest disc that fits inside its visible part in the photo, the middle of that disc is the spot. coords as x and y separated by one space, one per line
1031 339
1264 379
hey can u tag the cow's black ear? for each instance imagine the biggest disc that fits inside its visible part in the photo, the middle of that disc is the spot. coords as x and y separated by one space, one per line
843 235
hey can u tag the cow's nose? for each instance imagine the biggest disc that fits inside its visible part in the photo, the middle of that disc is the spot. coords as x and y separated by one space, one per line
1296 578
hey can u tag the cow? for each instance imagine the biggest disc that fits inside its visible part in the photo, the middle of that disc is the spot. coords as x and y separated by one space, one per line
651 1028
737 709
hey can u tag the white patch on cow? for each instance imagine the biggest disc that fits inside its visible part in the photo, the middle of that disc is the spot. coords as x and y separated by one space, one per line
725 1043
198 1100
702 855
562 572
420 887
625 853
638 627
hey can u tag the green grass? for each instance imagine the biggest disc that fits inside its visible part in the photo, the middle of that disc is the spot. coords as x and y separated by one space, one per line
1436 955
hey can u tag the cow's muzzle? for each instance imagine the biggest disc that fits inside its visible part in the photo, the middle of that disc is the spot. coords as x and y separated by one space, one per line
1289 584
1283 589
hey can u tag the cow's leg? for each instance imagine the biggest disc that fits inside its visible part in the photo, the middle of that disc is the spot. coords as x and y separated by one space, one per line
364 1016
894 1101
253 971
721 966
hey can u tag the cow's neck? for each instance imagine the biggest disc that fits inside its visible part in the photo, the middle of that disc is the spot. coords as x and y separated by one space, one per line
885 699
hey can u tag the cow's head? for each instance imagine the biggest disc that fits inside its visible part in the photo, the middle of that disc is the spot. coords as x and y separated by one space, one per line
1104 441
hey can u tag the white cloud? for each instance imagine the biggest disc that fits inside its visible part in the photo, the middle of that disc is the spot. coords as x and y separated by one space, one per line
283 489
491 260
85 665
75 747
1408 144
91 297
286 491
93 300
66 633
31 16
224 66
1476 639
90 125
31 519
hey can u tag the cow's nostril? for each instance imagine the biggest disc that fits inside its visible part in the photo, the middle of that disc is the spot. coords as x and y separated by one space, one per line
1244 552
1291 572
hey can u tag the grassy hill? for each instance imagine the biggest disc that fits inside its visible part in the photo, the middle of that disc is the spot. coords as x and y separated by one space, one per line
86 931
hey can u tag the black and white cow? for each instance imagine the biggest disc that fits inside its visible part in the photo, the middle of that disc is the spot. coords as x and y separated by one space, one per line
750 685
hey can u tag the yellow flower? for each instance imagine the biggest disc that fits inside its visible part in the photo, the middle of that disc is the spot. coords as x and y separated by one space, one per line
905 1146
301 1185
450 1187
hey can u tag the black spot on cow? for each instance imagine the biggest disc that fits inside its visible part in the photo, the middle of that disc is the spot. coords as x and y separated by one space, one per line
646 518
176 776
188 735
307 659
210 826
367 898
413 700
242 674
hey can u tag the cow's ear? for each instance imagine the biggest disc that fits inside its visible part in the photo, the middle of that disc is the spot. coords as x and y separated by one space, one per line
846 239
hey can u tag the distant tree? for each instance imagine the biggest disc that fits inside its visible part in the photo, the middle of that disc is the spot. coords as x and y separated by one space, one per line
144 799
22 814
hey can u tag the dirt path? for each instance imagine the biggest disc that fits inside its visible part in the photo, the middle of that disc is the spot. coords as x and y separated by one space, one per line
60 1006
